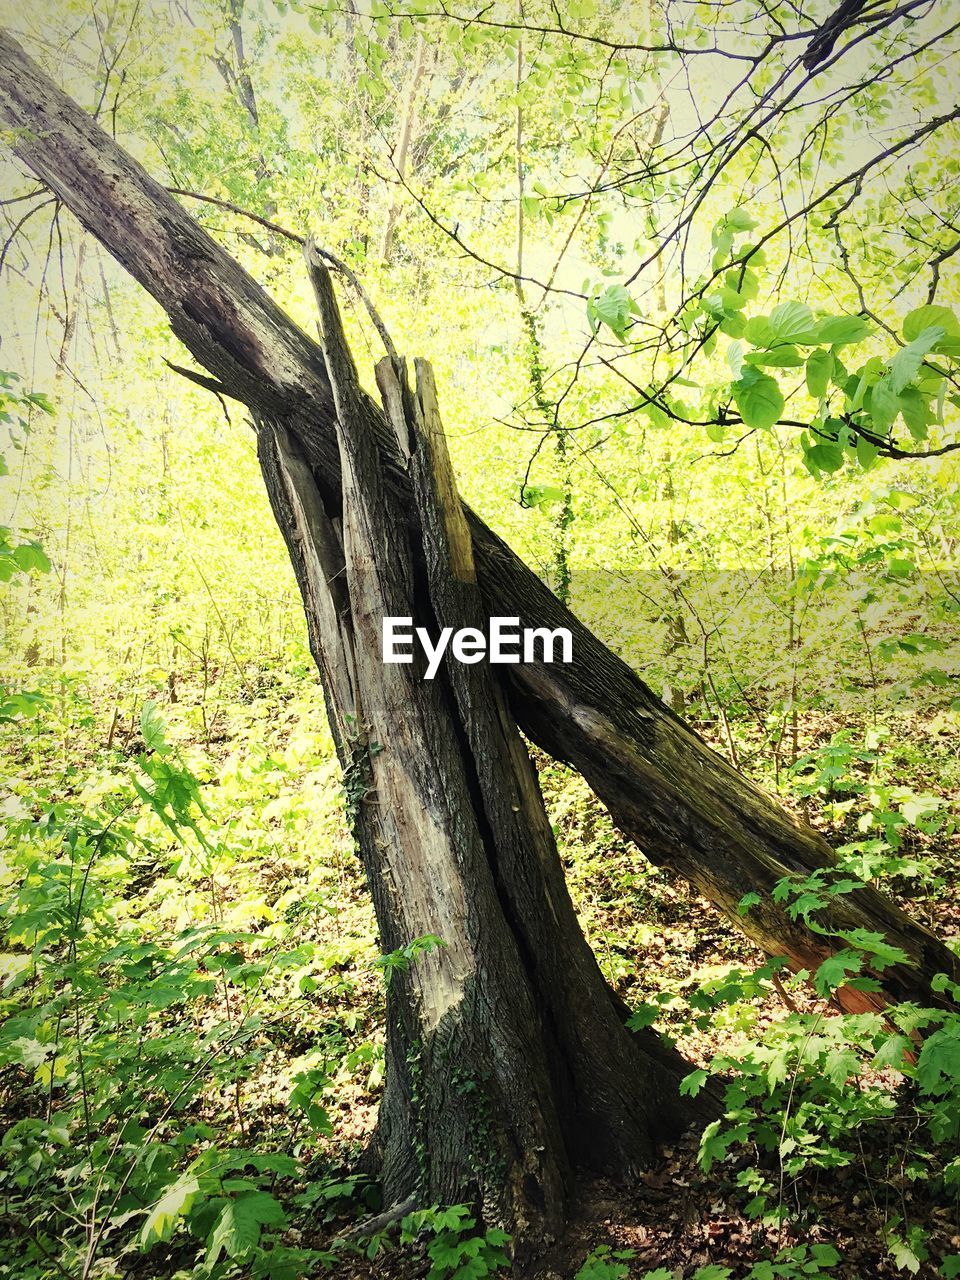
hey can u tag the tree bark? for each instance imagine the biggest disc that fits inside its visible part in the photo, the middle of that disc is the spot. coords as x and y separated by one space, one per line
508 1062
681 802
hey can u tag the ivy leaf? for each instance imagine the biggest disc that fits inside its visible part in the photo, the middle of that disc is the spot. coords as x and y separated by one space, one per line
759 398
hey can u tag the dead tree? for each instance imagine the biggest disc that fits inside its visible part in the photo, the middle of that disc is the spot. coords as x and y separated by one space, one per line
509 1066
682 803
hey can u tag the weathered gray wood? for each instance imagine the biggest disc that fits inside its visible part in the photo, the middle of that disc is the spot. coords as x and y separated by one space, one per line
682 803
482 1120
617 1090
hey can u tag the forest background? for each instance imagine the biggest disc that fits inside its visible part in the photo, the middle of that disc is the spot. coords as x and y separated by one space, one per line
690 306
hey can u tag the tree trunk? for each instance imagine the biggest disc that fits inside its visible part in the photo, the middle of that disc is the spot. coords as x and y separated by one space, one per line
681 802
508 1062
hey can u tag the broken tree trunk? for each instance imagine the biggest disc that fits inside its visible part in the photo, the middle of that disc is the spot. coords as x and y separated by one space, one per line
509 1066
684 805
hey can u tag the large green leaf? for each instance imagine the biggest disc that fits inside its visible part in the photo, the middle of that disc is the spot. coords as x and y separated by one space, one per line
152 727
884 403
758 397
793 322
916 411
613 308
819 372
238 1227
905 365
30 555
162 1219
786 357
838 331
926 317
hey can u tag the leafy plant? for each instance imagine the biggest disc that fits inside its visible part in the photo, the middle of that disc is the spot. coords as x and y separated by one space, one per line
455 1248
606 1263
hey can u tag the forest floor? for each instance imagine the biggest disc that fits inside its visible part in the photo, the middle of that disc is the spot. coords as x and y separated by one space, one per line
653 934
270 783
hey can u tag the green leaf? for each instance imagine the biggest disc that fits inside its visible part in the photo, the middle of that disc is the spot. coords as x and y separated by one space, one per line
950 1266
915 408
613 308
903 1254
883 953
691 1084
867 453
925 317
162 1219
906 363
780 357
834 971
739 220
759 398
30 555
885 403
27 1052
918 807
540 495
938 1067
152 727
643 1016
823 457
841 1065
891 1053
237 1230
793 322
838 331
820 365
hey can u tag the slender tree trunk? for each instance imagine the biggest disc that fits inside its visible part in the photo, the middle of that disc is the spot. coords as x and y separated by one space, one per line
407 124
682 803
